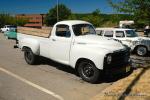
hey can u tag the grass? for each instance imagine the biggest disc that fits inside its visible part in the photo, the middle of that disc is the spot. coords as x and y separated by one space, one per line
134 87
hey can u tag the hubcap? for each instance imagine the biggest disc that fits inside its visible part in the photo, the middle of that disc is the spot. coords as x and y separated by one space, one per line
29 56
141 51
88 70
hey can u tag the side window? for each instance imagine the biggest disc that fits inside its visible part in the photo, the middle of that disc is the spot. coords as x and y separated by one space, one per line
99 32
63 31
120 34
108 33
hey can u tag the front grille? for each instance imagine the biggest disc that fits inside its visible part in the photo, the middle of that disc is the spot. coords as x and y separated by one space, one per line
119 58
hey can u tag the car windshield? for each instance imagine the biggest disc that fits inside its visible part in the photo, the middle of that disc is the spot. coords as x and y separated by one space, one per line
131 33
11 26
83 29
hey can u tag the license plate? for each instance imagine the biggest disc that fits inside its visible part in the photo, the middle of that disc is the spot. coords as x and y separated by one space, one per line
128 69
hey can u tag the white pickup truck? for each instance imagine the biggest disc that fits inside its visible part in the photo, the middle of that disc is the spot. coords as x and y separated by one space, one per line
75 43
139 45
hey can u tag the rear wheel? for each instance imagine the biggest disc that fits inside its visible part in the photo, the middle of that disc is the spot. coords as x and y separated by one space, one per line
30 57
7 37
88 71
141 50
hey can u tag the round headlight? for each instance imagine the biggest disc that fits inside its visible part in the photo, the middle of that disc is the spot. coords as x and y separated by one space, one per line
109 59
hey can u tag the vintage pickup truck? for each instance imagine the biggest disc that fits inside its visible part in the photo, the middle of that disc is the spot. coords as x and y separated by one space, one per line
139 45
75 43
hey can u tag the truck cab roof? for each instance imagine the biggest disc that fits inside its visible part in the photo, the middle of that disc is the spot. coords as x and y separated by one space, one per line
121 29
72 22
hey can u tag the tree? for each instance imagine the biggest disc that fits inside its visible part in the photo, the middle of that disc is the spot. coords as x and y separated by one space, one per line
6 19
21 21
97 12
139 8
51 17
95 18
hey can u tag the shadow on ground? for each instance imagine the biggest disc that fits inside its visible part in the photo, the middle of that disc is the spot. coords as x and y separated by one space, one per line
132 84
103 79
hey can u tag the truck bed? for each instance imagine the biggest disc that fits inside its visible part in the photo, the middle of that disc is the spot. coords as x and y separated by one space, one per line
45 32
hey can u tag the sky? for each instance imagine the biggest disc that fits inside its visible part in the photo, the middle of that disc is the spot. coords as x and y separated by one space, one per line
43 6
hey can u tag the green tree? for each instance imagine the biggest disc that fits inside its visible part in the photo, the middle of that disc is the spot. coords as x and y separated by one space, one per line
6 19
20 21
95 18
97 12
51 17
139 8
73 17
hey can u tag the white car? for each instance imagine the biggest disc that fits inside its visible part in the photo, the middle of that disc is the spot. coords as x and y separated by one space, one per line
8 27
140 45
75 43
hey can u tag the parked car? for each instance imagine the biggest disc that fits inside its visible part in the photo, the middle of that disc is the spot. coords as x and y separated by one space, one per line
140 45
75 43
8 27
147 32
11 34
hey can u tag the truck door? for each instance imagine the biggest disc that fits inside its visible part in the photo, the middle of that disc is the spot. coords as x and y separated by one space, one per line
61 44
120 35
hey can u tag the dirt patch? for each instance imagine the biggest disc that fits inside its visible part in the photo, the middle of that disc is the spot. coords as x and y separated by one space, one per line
134 87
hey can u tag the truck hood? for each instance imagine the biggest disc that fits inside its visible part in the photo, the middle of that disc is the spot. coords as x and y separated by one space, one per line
98 41
139 39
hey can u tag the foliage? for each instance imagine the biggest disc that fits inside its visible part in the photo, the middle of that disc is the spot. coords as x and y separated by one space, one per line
102 20
6 19
51 17
21 21
96 17
139 8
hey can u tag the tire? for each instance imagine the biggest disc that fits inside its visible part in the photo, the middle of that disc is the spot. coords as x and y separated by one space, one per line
141 50
30 57
7 37
148 34
88 72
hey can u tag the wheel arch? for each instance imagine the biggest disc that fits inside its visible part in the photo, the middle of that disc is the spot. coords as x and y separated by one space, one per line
30 43
139 46
25 48
80 60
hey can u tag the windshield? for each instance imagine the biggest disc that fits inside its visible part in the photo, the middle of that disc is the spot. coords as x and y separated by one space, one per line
131 33
83 29
11 26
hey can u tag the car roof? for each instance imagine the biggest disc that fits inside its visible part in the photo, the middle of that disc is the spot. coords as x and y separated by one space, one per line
120 29
10 25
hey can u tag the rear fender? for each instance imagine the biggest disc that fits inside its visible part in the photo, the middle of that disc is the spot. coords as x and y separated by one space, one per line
33 44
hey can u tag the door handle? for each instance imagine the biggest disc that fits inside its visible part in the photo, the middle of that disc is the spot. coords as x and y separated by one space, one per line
53 39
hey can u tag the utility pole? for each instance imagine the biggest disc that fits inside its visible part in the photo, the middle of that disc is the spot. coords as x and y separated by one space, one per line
57 10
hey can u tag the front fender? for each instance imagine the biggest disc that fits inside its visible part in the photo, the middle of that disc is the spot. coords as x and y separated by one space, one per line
141 43
96 55
33 44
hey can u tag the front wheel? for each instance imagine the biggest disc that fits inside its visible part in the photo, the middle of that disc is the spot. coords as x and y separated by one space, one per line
29 56
141 51
88 71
